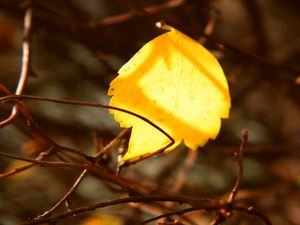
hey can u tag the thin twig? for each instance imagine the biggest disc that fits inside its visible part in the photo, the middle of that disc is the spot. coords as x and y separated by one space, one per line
42 156
182 176
78 181
150 11
252 212
21 108
96 170
25 69
226 212
115 19
97 142
177 212
159 209
93 104
131 14
151 198
66 196
111 144
57 146
142 12
239 157
46 163
17 170
251 56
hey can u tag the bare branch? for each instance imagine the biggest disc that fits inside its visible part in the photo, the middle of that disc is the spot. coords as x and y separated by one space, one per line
150 11
42 156
177 212
25 69
183 174
252 212
262 60
16 170
93 104
199 203
111 144
66 196
226 212
239 157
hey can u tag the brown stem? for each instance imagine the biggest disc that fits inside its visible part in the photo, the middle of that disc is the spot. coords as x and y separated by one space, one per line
183 174
96 170
226 212
111 144
140 11
66 196
17 170
26 48
177 212
150 10
252 212
152 198
239 157
93 104
42 156
257 58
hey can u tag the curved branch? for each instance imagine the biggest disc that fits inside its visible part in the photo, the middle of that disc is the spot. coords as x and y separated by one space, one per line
66 196
98 105
26 48
200 203
239 157
252 212
177 212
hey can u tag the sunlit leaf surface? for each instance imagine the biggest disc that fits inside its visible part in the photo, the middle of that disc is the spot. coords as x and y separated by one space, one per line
177 84
102 220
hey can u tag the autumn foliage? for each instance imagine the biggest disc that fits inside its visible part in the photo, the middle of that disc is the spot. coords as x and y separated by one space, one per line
64 158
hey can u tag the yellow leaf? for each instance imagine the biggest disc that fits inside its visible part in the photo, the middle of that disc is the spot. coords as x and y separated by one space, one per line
102 220
178 85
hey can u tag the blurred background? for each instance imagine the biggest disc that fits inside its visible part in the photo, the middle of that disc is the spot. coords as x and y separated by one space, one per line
77 49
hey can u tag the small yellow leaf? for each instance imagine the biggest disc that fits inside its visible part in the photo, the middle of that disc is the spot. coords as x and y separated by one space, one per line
102 220
178 85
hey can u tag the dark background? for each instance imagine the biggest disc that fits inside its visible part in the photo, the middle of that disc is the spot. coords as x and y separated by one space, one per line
77 49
